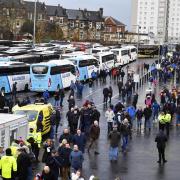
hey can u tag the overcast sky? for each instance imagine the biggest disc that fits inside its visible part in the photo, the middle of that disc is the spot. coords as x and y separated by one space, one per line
119 9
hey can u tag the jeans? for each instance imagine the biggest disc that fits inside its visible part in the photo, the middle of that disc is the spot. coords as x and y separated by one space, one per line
139 122
125 142
110 126
177 119
56 103
61 102
113 153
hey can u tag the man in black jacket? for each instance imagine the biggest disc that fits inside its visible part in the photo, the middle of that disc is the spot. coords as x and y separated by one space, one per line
161 140
106 94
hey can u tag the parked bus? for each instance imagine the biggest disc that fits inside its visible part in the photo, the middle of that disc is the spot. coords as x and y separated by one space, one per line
11 72
106 60
132 52
100 49
85 66
71 55
122 55
50 75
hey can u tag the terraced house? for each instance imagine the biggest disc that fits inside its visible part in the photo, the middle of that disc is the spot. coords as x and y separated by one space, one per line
79 25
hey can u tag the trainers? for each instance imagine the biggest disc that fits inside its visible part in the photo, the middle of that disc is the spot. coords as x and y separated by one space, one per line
165 161
159 162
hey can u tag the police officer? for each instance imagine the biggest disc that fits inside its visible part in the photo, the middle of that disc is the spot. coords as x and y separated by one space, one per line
8 165
162 122
167 122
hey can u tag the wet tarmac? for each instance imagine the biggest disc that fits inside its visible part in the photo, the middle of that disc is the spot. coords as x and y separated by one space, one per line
139 163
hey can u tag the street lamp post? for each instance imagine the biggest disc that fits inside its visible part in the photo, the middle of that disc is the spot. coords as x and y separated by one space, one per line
139 27
34 29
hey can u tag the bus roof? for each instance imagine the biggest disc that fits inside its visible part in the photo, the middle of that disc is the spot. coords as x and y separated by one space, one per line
55 62
101 48
9 63
119 49
103 53
83 57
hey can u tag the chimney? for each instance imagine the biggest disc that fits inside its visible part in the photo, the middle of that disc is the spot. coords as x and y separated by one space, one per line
101 12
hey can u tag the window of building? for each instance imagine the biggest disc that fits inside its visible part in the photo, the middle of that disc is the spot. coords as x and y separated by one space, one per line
40 16
81 25
17 24
98 25
98 35
72 24
90 25
81 35
61 21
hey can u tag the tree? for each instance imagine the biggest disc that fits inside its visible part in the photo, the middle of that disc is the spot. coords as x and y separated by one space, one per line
47 31
27 27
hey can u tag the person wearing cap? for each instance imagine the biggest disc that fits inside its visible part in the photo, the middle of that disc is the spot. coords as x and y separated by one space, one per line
94 135
114 137
8 166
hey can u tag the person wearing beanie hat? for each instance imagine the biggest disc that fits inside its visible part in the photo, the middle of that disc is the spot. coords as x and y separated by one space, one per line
8 165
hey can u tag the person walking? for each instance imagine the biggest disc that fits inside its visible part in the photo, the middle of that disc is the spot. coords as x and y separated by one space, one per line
24 167
14 92
125 131
110 94
120 85
106 95
139 116
161 140
147 116
94 135
114 137
76 158
161 119
109 114
57 119
80 140
167 122
56 98
47 174
62 95
48 147
71 102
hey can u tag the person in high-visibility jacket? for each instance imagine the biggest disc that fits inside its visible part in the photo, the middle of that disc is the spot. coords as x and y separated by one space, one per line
14 147
167 121
162 122
8 166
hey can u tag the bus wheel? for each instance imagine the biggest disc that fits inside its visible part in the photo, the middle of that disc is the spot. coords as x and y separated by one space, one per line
26 88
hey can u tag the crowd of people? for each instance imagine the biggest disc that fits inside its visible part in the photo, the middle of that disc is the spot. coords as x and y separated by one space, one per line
83 131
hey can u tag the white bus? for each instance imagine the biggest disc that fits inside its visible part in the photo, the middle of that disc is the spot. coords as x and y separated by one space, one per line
11 72
100 49
106 60
122 55
132 52
74 54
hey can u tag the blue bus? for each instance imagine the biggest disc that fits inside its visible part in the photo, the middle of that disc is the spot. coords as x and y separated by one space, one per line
51 75
11 72
86 66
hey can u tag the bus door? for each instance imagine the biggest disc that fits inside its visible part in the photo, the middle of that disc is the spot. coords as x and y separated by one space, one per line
4 84
65 79
83 71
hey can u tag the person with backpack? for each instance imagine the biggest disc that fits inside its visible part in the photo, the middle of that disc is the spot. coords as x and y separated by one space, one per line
125 131
132 113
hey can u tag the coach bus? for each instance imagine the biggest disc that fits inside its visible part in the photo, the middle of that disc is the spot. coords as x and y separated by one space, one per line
106 60
11 72
122 55
51 75
132 52
86 65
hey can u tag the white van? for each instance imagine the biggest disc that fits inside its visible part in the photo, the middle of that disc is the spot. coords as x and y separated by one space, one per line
132 52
